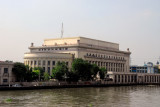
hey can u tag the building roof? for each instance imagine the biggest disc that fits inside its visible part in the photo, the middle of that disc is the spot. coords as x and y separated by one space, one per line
82 41
79 37
6 62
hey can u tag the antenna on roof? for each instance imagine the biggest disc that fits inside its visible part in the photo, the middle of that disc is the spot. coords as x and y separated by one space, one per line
62 30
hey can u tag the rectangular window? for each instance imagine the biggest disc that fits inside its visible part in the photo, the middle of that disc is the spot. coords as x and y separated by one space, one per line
48 62
35 62
44 62
5 80
48 70
5 70
39 62
67 63
31 62
44 68
53 62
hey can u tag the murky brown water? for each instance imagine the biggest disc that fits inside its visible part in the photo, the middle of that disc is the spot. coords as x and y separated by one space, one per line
124 96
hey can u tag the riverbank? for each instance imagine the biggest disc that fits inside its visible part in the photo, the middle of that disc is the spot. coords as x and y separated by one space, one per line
2 88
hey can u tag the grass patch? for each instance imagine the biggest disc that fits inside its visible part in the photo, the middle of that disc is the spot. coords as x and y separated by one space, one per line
8 100
90 105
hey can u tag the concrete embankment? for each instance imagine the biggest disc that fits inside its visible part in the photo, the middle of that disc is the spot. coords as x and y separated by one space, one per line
65 86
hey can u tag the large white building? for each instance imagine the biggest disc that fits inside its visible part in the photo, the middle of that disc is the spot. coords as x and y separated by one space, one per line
104 54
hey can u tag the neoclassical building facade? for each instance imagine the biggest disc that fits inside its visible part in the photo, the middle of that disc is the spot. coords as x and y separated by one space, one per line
104 54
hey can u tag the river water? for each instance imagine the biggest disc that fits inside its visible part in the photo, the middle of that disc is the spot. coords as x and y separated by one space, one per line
123 96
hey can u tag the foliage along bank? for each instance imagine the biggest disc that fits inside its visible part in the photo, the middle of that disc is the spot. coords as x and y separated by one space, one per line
80 70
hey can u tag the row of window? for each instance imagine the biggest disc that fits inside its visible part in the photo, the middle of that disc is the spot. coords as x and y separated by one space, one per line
109 66
134 68
106 63
49 69
105 56
42 63
139 71
49 49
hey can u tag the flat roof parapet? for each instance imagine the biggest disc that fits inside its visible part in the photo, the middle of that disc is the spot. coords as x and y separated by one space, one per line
80 41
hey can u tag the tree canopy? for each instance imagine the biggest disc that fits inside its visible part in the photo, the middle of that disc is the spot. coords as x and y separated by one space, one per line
60 70
26 73
84 70
20 71
102 72
46 76
81 70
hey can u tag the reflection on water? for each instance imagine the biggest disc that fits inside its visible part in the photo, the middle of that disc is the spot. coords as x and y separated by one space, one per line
124 96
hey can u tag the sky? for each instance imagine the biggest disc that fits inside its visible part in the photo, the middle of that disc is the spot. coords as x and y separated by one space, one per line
133 24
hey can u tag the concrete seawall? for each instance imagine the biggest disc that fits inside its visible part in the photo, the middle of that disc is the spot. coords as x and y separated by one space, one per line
3 88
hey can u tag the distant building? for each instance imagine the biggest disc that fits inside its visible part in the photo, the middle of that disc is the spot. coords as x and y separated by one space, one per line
102 53
158 65
138 69
6 75
147 68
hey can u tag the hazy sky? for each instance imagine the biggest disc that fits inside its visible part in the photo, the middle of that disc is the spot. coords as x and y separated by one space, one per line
134 24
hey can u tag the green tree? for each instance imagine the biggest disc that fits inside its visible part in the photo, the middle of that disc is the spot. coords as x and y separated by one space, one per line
35 74
29 73
94 70
82 69
19 69
41 70
59 71
46 76
102 72
72 76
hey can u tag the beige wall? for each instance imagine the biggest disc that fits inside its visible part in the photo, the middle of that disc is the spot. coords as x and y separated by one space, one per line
9 76
38 59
